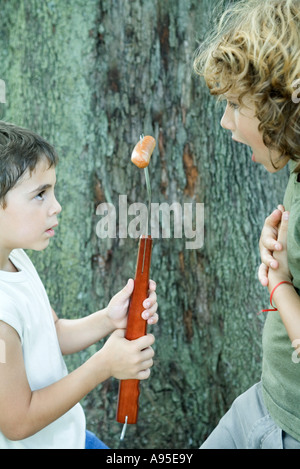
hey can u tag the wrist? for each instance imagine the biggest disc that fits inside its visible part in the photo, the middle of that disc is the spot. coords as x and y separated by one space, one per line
98 368
104 319
274 293
275 279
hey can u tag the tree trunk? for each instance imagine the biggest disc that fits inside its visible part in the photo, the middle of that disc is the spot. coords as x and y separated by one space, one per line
91 76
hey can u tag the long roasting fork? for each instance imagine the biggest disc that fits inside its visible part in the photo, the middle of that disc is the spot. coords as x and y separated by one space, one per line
129 391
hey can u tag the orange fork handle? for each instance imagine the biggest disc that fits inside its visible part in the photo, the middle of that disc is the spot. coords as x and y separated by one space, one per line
136 327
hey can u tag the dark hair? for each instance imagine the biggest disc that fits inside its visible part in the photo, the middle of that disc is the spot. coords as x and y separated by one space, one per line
20 150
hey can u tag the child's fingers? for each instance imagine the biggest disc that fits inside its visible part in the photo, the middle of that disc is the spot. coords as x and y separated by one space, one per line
151 305
145 341
263 275
267 258
269 234
273 219
153 319
270 243
152 285
144 374
150 316
151 300
282 235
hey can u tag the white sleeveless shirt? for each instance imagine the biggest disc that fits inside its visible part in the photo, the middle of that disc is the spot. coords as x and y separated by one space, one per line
24 305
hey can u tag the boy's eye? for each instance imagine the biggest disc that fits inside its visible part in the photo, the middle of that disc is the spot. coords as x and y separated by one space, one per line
40 196
233 105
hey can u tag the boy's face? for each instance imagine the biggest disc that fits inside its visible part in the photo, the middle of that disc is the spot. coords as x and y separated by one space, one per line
31 211
243 124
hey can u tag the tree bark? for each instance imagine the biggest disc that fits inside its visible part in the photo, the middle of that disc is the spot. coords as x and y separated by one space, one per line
91 76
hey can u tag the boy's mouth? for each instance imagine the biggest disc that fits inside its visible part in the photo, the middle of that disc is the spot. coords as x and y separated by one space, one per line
50 231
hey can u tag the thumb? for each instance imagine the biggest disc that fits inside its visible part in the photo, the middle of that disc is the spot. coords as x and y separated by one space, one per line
119 333
128 289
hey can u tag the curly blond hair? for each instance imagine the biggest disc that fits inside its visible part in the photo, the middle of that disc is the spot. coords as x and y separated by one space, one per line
255 51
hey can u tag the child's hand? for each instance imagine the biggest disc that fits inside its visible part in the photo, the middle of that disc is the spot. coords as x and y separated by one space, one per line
269 243
118 306
281 273
128 359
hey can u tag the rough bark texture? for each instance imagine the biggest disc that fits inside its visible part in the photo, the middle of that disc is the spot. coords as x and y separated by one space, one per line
91 76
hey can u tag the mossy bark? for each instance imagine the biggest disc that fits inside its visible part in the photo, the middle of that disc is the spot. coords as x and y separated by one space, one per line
91 76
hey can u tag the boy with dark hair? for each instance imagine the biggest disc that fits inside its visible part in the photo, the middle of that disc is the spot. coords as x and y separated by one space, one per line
39 400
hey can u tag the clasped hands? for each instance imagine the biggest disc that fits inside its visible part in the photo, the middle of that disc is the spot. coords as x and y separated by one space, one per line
273 249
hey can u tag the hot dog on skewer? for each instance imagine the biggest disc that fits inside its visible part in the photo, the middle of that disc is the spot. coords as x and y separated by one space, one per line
142 151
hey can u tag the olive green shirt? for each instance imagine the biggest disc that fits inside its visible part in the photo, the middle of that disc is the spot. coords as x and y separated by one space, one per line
281 371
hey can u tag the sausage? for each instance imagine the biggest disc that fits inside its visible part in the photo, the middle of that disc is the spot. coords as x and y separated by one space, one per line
142 151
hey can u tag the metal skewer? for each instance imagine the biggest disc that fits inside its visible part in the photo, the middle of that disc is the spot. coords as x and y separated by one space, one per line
124 429
148 185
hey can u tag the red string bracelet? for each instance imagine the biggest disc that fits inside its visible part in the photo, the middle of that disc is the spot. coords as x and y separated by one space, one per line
271 296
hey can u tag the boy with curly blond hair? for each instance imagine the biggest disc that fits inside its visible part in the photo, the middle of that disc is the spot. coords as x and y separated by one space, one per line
253 62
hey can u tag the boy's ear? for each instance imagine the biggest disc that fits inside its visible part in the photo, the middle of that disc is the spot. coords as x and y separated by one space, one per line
3 204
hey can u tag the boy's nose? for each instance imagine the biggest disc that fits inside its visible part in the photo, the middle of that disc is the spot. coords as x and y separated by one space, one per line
55 208
58 206
227 121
